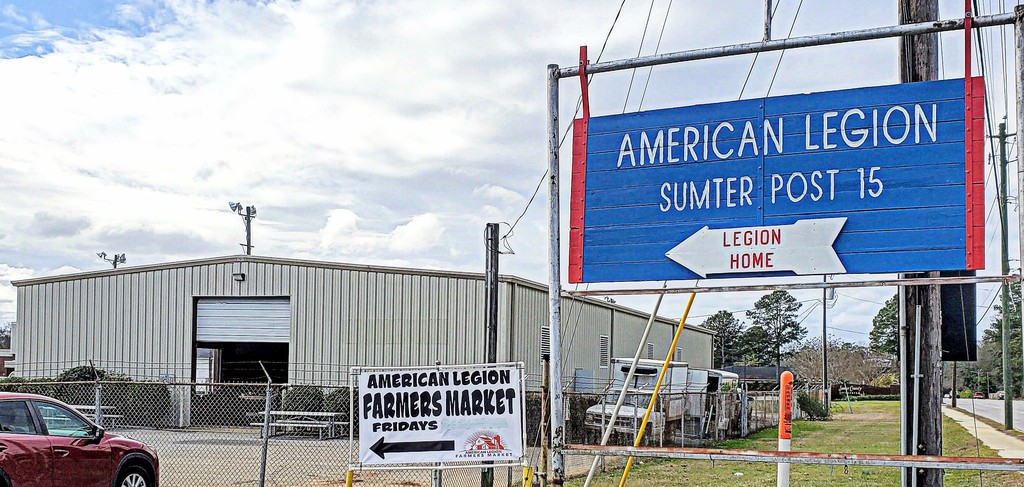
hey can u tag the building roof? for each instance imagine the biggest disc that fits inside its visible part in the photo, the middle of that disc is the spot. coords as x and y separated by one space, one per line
756 372
328 265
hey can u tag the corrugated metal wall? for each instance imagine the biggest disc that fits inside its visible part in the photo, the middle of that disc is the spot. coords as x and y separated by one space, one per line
141 321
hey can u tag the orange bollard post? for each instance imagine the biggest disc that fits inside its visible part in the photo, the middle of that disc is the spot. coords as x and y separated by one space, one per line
785 425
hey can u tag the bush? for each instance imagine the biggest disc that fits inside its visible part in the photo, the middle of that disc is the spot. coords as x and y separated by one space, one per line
966 394
876 397
812 407
82 393
337 401
885 380
231 405
303 398
147 404
28 386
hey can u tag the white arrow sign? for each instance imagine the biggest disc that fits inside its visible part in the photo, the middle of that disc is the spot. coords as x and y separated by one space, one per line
804 247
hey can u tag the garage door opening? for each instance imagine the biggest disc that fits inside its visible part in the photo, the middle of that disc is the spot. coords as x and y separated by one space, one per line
240 362
233 335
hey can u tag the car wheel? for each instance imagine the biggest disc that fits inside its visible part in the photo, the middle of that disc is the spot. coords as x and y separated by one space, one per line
134 477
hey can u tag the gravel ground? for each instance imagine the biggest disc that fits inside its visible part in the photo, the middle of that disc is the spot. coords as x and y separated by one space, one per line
227 457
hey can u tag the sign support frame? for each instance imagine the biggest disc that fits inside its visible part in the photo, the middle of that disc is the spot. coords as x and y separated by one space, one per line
555 74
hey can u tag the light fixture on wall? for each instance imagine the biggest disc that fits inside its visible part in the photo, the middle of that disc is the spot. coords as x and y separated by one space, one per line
238 276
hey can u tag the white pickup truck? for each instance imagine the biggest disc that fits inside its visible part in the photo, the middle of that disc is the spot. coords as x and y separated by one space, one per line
672 404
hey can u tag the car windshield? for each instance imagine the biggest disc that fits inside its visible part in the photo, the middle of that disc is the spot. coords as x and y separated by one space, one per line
639 400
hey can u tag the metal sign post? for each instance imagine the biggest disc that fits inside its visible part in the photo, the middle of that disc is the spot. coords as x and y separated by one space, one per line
557 462
1018 30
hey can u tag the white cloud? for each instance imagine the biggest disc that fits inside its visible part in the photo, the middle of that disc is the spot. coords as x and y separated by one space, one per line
8 294
11 12
342 233
498 193
422 232
369 132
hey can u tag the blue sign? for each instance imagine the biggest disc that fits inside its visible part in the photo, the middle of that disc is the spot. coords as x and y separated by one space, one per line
868 180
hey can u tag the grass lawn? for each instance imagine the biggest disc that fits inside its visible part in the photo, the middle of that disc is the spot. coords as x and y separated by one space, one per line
872 428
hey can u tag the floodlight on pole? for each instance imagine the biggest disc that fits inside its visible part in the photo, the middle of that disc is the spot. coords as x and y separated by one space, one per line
116 259
247 214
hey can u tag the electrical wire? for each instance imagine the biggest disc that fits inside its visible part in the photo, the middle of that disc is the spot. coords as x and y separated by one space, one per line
779 63
639 50
859 299
579 103
657 49
756 54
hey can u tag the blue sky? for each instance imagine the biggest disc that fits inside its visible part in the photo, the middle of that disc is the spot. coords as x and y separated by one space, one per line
368 132
29 28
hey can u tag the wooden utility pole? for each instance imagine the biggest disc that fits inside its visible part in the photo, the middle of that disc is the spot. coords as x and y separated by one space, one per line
919 62
491 306
1005 257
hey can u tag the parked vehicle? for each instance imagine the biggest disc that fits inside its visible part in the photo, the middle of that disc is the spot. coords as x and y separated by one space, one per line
1000 395
45 442
979 395
679 378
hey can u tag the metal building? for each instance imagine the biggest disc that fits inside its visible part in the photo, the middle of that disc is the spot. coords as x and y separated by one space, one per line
217 318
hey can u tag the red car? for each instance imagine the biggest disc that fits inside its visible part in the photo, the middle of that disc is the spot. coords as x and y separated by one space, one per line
46 443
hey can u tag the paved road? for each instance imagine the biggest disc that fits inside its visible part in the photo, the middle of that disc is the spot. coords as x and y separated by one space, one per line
993 409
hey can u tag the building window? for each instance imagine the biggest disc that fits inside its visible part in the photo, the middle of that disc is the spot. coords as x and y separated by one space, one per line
604 354
650 350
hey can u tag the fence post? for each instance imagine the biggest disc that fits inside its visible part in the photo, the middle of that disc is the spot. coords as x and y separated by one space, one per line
785 425
98 410
744 409
266 430
437 476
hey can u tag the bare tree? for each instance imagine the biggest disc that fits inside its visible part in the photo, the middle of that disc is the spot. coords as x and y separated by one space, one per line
5 336
847 362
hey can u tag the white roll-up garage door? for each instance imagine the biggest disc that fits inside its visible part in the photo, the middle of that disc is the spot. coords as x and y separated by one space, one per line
252 320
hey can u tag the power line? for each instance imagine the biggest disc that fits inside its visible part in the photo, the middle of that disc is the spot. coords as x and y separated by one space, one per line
639 50
579 103
756 54
657 48
859 299
777 64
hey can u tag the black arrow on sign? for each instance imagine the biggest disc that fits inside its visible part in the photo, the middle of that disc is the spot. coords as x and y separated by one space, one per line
380 447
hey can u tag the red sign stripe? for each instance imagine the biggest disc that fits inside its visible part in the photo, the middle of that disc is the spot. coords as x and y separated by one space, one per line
975 171
577 199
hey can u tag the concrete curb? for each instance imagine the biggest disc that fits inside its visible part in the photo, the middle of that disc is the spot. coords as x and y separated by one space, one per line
1005 445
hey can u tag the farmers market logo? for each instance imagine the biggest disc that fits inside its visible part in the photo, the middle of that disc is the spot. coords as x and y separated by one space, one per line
484 444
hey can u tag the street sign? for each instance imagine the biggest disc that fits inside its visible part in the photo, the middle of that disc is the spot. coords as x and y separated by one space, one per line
466 413
868 180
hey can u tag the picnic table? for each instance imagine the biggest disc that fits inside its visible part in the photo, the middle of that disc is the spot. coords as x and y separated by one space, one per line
90 412
327 424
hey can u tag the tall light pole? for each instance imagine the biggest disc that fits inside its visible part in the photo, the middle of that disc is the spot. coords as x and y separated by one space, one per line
247 215
116 259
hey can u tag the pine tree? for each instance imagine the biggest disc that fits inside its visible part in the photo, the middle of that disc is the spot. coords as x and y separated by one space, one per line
775 313
885 335
729 329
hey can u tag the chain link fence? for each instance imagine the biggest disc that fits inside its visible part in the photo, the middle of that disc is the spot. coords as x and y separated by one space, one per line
690 419
211 433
